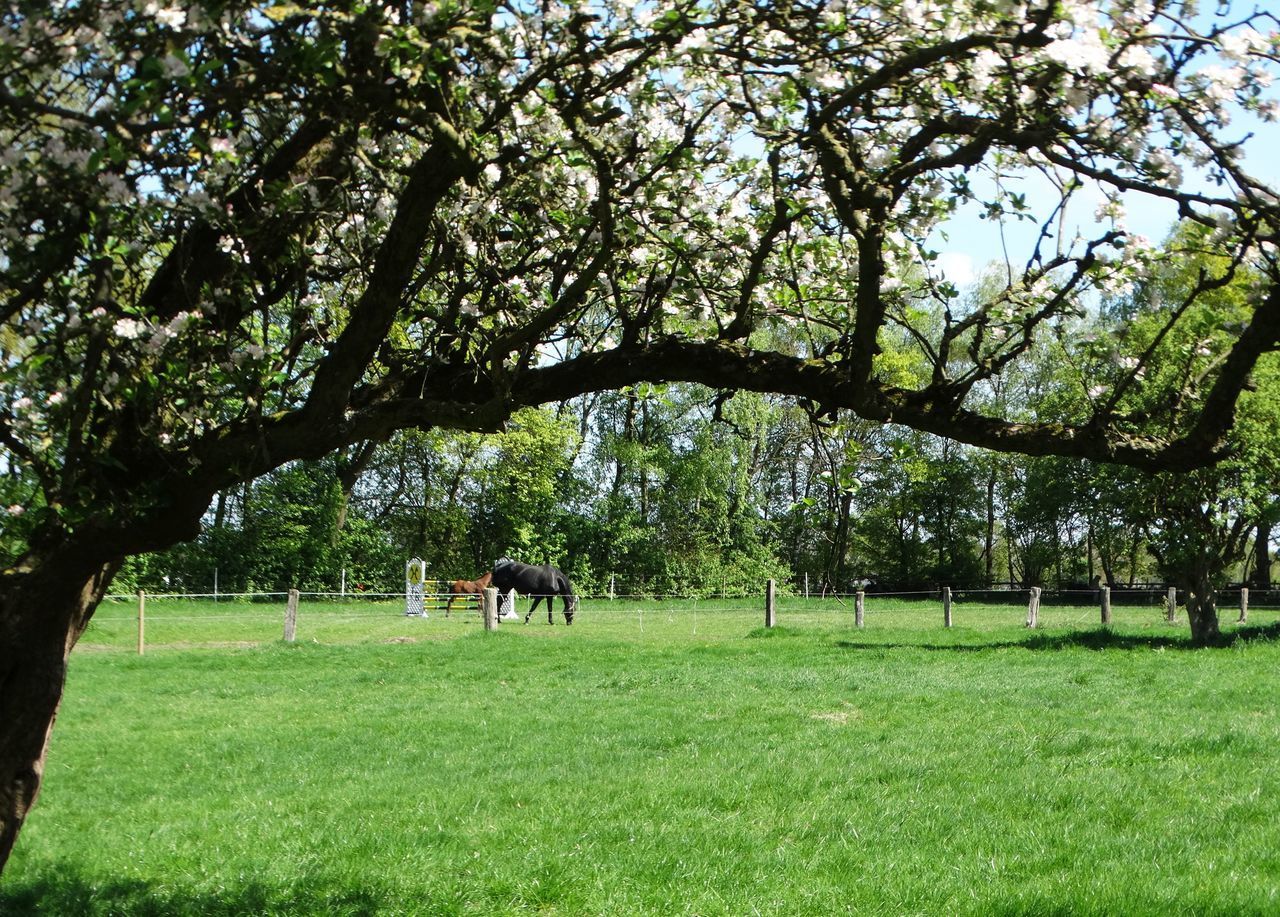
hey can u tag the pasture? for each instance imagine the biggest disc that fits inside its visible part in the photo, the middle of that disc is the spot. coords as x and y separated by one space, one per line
658 758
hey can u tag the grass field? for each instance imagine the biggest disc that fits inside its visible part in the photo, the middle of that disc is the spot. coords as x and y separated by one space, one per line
658 758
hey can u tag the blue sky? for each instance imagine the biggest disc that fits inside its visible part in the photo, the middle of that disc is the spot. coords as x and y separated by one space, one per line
972 242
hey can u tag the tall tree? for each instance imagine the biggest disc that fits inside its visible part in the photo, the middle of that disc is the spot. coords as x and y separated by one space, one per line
1262 547
238 234
1197 523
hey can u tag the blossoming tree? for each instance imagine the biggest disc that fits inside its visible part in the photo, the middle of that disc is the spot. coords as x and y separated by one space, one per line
237 234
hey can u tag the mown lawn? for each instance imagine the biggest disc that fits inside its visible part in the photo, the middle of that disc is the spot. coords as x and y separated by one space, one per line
658 758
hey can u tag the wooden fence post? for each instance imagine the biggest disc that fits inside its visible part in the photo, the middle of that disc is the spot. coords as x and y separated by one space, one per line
1244 605
946 606
1171 605
1033 607
291 616
142 624
770 606
490 603
858 601
1106 605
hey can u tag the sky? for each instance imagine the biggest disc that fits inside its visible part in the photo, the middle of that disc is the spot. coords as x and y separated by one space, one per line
971 243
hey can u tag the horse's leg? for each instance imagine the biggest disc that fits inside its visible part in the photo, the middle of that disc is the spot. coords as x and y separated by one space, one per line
454 593
536 600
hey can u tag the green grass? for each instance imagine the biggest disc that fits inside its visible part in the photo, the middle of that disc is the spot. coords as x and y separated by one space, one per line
658 758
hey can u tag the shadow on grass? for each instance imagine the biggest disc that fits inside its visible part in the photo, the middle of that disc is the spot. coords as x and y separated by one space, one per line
70 893
773 633
1099 639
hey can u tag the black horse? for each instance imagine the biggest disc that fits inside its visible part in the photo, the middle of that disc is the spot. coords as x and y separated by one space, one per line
545 582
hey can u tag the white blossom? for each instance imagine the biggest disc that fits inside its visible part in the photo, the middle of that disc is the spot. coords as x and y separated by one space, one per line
985 63
1084 54
182 321
159 338
696 40
116 188
1222 82
1111 209
130 329
1138 59
1162 164
1237 46
171 16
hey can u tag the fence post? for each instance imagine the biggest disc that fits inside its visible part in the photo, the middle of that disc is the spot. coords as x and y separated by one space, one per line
291 616
1033 607
1171 605
142 609
611 587
490 603
946 606
1106 605
806 585
1244 605
770 610
858 607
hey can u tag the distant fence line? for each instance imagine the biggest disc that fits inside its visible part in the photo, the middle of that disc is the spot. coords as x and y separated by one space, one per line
617 586
1101 599
1150 597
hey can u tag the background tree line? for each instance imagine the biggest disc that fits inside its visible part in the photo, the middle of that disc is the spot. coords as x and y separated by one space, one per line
648 487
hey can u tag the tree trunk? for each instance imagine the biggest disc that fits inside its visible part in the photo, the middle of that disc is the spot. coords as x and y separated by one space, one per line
45 605
220 514
989 548
840 541
1202 613
1262 556
1202 606
349 469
